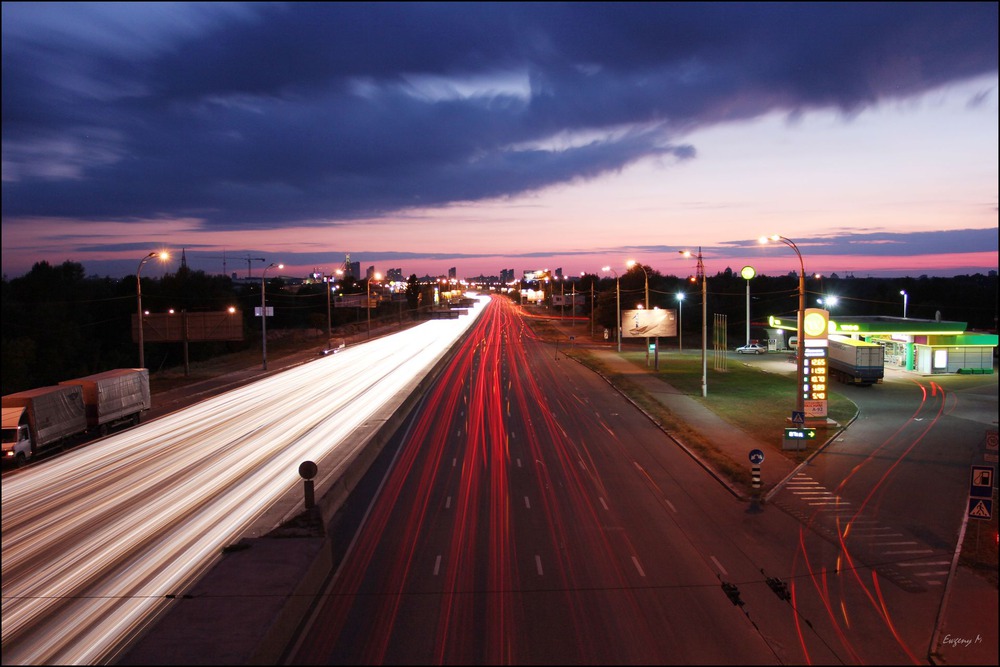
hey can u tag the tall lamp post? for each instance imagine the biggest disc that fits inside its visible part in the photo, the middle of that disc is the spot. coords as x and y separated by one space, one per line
800 347
263 311
368 301
630 264
618 307
591 306
138 294
328 284
748 273
704 320
905 296
680 321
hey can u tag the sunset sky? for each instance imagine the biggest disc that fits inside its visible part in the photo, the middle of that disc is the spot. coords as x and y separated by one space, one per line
489 136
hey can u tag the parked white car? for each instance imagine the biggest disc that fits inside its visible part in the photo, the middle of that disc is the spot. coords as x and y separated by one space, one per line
752 348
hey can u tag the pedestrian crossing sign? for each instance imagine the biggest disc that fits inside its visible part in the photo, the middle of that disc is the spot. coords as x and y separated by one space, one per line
981 508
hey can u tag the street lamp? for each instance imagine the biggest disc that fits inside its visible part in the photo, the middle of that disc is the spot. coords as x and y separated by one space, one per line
828 302
263 311
630 263
138 294
704 320
368 301
748 273
905 296
680 322
618 307
800 347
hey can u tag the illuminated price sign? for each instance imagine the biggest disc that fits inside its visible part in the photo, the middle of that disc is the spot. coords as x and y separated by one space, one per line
814 381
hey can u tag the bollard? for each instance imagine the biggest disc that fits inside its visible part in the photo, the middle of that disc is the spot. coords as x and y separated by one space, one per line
308 470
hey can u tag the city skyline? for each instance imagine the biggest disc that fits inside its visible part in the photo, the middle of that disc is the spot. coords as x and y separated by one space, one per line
498 136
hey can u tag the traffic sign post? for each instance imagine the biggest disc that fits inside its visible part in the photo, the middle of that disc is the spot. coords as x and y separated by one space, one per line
981 482
756 458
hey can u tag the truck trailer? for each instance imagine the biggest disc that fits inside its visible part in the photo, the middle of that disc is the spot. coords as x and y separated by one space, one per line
113 398
38 419
856 361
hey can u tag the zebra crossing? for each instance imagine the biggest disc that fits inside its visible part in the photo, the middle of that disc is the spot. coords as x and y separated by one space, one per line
890 550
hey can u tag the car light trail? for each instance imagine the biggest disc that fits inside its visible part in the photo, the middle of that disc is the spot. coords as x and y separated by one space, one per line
94 540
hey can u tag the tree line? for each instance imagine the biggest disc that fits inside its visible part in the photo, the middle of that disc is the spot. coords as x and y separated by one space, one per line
59 323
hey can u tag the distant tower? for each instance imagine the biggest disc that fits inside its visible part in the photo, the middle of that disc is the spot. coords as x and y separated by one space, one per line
184 260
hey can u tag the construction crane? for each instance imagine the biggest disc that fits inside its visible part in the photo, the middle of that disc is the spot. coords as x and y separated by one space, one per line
253 259
223 257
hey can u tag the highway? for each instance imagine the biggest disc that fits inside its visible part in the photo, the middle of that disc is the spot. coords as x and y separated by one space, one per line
534 517
96 539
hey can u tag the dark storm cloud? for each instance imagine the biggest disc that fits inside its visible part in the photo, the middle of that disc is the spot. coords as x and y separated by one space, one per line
261 115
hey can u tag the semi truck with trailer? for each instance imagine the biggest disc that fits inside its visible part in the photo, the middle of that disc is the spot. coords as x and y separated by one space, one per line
39 419
113 398
856 361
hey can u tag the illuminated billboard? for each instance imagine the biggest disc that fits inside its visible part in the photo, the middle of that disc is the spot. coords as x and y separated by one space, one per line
654 323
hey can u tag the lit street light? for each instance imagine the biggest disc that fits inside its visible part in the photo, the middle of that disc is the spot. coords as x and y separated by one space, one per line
368 301
828 302
138 293
748 273
680 321
618 307
704 320
263 311
800 348
630 263
905 296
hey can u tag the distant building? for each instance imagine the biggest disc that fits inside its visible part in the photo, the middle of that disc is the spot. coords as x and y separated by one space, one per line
394 274
452 273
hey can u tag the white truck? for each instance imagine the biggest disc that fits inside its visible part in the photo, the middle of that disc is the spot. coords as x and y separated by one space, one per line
856 361
37 419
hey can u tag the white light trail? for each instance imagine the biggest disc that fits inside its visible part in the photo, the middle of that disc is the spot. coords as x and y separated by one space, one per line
94 539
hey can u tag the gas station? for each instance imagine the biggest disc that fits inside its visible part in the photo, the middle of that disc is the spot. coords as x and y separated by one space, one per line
928 347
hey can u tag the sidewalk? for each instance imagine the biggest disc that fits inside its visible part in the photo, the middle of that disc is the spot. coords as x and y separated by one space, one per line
775 467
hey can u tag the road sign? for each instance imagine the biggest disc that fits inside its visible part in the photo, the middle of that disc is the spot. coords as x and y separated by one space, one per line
798 417
981 508
991 446
755 477
756 456
981 482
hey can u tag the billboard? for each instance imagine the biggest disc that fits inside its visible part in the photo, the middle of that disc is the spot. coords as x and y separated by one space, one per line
649 323
568 300
193 327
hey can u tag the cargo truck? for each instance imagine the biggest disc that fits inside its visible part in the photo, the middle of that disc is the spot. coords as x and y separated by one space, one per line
856 361
38 419
113 398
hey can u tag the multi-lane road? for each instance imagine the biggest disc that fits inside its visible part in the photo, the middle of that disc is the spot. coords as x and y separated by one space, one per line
530 515
96 539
